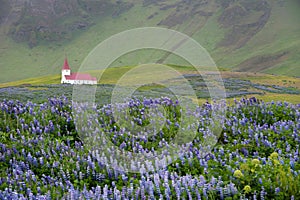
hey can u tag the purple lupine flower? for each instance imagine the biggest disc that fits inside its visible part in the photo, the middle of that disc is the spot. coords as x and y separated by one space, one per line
292 197
277 190
262 194
41 160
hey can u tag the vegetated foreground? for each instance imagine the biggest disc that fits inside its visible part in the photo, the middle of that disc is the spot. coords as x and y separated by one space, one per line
256 155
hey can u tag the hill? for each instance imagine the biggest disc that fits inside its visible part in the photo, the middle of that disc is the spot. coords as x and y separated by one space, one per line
256 36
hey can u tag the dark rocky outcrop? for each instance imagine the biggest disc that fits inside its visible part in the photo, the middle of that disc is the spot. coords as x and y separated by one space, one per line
262 62
55 20
235 18
4 10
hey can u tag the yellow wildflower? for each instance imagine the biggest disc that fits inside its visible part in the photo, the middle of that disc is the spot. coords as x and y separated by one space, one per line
255 162
247 189
274 155
276 162
244 166
238 174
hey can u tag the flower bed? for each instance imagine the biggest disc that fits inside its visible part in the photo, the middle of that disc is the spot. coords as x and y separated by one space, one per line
256 155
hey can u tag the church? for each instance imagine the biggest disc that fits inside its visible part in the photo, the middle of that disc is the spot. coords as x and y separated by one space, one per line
75 78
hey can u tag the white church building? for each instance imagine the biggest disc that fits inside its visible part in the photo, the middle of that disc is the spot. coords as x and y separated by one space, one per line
75 78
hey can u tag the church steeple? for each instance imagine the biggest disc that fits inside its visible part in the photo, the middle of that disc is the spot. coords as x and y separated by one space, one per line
66 65
66 70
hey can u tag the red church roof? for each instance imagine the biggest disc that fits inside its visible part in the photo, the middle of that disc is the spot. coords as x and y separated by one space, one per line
66 65
78 76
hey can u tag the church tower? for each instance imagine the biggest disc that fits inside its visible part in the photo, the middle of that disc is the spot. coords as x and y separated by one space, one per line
65 71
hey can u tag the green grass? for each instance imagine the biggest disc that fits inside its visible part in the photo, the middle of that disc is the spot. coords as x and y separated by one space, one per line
284 81
109 76
210 35
268 97
45 80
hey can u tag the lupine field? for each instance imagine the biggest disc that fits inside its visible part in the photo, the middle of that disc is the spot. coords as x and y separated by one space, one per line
256 154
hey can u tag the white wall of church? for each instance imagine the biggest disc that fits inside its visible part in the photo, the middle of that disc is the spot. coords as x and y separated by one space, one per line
66 72
78 82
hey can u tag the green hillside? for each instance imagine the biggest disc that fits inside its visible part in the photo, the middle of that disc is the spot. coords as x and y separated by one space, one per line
260 36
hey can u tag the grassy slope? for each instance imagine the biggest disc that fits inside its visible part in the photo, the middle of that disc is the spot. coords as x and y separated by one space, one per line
47 59
283 33
51 79
280 34
290 41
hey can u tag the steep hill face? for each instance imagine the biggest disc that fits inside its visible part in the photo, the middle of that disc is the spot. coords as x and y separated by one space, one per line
4 10
244 21
35 21
256 36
